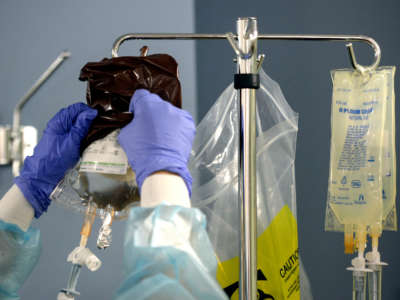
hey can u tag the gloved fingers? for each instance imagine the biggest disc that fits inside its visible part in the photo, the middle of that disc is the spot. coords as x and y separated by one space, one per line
63 121
82 123
148 104
145 102
138 94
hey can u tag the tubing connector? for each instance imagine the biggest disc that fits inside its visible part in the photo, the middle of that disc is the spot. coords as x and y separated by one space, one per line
83 256
358 263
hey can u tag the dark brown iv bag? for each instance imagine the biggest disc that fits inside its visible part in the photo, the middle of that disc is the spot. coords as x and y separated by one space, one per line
112 82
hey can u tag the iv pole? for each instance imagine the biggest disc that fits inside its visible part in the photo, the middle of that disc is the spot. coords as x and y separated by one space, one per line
249 63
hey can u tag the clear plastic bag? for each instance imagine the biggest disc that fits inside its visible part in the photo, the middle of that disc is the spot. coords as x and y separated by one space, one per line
214 166
102 177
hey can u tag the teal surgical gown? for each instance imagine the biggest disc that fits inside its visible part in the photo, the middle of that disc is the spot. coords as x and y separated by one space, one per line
167 255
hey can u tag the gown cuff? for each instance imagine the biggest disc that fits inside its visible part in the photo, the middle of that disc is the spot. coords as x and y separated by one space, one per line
164 188
15 209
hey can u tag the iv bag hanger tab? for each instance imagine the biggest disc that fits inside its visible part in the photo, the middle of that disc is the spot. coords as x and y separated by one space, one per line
144 50
18 142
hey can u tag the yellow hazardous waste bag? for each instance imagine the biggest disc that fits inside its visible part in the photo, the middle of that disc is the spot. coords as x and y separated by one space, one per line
278 264
214 166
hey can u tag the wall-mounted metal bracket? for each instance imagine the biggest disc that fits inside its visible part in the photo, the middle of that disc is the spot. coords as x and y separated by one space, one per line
17 142
14 151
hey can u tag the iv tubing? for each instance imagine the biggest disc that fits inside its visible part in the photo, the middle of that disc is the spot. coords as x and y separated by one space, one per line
375 282
359 283
87 224
359 272
85 233
375 264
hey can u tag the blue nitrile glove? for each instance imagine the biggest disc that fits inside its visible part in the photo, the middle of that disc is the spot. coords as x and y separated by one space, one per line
57 151
159 137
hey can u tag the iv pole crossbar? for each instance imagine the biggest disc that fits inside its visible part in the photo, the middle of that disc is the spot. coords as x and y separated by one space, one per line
248 63
284 37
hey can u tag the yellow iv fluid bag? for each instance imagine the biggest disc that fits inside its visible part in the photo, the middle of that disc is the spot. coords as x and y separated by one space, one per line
361 190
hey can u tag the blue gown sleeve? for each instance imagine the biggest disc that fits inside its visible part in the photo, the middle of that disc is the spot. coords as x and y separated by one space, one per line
19 253
168 255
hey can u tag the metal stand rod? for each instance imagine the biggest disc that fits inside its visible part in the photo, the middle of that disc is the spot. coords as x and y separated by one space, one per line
247 43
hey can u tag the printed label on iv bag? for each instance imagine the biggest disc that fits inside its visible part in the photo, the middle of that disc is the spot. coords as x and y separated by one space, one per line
355 181
105 156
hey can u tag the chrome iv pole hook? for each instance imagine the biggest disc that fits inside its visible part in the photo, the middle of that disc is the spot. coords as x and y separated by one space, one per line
231 39
251 34
360 68
260 59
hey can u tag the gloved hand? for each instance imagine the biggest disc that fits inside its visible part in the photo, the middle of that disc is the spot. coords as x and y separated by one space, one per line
159 137
56 152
